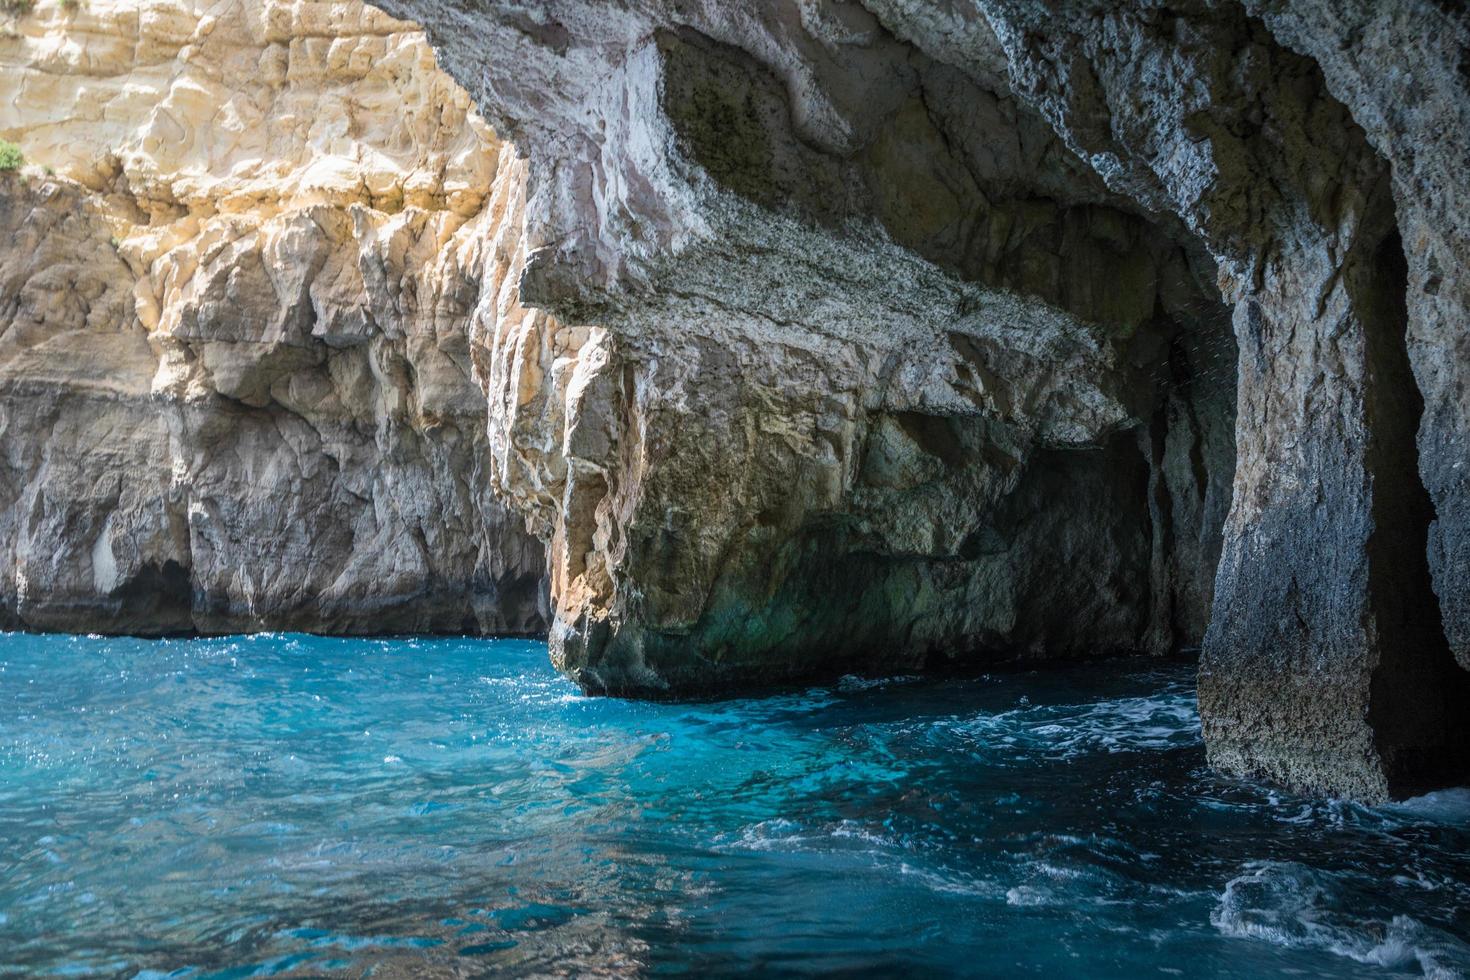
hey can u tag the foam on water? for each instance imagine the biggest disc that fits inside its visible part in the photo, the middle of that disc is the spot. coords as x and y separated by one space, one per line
286 805
1294 906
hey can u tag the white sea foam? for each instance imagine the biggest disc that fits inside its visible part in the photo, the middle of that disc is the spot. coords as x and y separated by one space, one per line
1068 731
854 838
1291 905
852 683
1029 895
779 834
766 835
1442 806
951 882
852 830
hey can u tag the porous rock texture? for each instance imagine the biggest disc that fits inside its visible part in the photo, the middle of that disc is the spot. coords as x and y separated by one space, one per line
236 391
910 342
1326 665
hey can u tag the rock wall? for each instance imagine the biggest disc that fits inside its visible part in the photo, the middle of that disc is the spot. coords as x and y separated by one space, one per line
236 389
1410 100
1326 665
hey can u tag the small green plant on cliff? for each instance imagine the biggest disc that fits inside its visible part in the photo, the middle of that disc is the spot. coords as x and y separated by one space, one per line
17 8
10 156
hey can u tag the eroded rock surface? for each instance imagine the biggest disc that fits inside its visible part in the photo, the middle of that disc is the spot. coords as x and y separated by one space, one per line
1326 665
236 389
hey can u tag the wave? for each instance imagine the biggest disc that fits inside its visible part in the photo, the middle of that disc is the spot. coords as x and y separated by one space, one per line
1448 806
1290 905
852 683
1065 732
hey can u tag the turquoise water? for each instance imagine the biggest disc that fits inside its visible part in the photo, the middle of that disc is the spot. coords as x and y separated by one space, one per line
297 806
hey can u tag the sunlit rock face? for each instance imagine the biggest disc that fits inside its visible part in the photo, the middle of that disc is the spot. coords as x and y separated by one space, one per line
910 344
236 390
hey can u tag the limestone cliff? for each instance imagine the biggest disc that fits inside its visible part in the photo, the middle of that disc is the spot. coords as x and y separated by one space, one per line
886 396
235 386
769 475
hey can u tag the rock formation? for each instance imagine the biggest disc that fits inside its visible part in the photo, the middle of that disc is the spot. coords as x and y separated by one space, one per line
889 380
1326 665
811 335
235 386
910 345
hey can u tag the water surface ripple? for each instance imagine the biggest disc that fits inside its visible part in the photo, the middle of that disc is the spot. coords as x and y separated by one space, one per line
289 805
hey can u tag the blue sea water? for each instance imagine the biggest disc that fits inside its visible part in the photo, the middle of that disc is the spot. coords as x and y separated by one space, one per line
289 805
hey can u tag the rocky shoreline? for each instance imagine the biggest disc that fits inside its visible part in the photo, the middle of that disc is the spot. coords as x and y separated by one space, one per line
780 338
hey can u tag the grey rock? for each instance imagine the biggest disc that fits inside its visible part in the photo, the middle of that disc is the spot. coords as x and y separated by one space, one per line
1399 68
817 336
882 374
